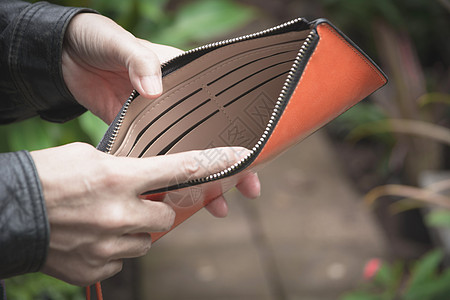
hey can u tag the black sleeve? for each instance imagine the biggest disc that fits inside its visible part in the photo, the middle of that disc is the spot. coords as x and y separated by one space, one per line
31 81
24 228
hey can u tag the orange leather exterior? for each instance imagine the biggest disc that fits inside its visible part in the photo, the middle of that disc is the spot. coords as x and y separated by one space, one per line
336 77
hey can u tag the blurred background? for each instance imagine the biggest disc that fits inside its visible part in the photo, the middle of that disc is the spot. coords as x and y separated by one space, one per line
360 210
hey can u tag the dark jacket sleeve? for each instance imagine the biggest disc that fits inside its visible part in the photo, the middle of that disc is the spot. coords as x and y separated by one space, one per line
31 81
24 229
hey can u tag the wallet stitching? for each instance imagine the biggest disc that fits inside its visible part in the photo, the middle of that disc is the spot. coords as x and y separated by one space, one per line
220 107
383 80
127 139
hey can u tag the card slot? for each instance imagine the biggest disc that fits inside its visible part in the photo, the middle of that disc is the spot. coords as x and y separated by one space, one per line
139 135
256 107
253 74
224 85
149 110
170 126
272 55
176 130
169 146
255 87
192 105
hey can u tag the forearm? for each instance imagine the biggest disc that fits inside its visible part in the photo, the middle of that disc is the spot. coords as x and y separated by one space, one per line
24 235
31 81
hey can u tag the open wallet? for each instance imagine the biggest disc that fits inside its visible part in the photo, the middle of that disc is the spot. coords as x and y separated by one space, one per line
264 91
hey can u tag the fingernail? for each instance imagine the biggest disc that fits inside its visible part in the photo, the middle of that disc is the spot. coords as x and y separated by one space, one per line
152 85
258 185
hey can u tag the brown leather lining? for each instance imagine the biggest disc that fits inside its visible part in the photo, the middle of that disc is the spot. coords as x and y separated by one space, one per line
223 98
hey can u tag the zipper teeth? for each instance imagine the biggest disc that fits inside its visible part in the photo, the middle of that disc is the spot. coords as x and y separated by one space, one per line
236 39
273 118
207 46
119 122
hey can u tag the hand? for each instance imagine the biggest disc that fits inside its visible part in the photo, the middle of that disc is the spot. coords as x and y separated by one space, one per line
102 63
96 215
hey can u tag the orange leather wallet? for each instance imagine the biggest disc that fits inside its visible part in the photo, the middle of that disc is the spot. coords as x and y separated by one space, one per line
264 91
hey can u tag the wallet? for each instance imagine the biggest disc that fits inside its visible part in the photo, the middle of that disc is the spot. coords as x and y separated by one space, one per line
264 91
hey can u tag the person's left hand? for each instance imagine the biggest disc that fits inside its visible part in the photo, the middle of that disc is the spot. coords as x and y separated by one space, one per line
102 63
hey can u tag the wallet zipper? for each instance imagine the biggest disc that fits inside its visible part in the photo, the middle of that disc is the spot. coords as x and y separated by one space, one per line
279 105
275 116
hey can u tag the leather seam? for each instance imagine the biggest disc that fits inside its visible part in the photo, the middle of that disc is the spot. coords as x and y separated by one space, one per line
14 52
34 180
219 107
55 36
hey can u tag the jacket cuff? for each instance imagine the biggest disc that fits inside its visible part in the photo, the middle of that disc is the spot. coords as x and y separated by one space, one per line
24 226
35 60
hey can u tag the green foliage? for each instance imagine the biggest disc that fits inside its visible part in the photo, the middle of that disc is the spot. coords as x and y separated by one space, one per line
426 21
201 21
424 281
363 113
190 24
35 134
36 286
439 218
362 12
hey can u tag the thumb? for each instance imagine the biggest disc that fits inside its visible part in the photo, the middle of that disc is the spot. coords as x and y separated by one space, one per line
144 69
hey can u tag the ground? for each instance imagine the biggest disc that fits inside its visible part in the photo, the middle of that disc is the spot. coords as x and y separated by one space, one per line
307 237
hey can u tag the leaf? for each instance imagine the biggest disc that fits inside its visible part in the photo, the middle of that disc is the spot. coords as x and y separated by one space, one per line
152 10
360 295
202 21
29 135
39 286
435 289
425 269
417 128
389 278
92 126
434 98
424 195
384 275
440 218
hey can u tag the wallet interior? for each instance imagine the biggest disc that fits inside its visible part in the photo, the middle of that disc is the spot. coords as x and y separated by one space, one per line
223 98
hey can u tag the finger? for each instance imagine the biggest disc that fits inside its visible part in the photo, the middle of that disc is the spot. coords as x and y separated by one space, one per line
250 186
108 270
132 245
144 69
146 174
218 207
164 52
144 66
152 216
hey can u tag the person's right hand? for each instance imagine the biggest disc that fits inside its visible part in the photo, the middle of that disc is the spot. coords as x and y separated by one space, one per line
95 213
